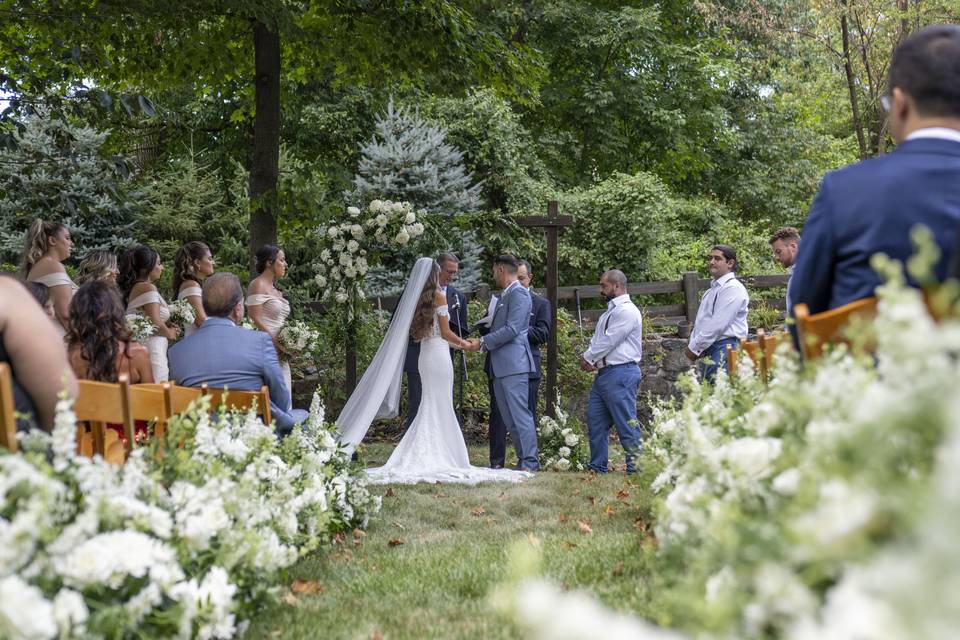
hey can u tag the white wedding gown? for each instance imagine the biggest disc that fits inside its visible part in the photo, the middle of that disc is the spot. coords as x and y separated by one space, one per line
433 449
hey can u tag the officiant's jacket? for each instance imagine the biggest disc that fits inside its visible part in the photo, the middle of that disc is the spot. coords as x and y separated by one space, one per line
222 354
507 342
871 207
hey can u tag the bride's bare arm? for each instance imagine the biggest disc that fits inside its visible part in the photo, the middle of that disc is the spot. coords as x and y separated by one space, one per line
446 332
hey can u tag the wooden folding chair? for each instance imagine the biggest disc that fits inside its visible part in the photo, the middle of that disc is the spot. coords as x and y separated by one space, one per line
752 349
8 422
99 403
149 403
819 329
243 400
768 345
731 361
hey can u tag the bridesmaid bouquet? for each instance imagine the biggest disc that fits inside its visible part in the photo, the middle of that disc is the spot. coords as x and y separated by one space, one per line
297 339
182 315
140 326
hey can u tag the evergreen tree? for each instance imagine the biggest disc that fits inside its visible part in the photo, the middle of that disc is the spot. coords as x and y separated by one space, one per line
57 171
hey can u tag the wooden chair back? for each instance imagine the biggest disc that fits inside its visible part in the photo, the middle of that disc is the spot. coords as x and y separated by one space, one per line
817 330
99 403
149 403
243 400
8 423
752 349
732 356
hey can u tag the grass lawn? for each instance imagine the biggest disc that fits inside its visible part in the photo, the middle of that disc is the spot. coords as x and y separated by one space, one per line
428 561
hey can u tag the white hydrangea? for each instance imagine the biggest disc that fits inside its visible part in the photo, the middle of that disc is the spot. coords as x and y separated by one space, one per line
24 612
132 554
353 212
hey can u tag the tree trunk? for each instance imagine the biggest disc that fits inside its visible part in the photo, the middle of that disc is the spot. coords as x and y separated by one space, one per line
265 160
851 83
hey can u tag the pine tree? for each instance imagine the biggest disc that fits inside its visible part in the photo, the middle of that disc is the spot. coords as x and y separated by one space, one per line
409 160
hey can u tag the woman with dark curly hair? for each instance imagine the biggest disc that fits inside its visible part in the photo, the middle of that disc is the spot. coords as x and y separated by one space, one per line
266 305
99 343
140 268
191 266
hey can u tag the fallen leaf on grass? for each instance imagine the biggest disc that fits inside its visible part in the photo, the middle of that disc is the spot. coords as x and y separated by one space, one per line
439 494
359 533
376 635
290 599
478 511
563 517
391 492
609 510
640 525
395 542
618 570
306 586
623 494
399 526
583 527
592 500
570 545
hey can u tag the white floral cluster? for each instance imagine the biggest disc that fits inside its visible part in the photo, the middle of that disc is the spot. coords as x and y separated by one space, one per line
297 339
182 314
350 245
784 499
561 442
181 546
141 327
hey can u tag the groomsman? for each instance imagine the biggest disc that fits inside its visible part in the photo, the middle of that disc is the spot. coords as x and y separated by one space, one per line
614 353
538 334
457 305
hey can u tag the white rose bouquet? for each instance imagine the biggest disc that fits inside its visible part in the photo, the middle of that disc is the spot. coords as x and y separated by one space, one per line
297 339
182 314
140 326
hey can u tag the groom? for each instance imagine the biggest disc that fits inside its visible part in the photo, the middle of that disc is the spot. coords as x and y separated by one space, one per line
511 360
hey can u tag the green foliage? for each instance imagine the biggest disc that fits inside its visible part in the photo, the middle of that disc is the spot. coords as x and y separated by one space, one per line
57 170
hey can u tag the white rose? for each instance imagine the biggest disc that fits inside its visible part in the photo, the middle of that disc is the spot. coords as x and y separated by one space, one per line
411 218
376 206
564 452
357 231
362 265
397 207
381 220
403 237
571 439
380 237
353 246
353 211
563 464
320 280
341 296
335 273
332 232
346 259
416 229
350 272
787 483
325 254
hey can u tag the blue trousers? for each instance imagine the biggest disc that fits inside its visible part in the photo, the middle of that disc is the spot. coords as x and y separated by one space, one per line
713 358
513 397
613 402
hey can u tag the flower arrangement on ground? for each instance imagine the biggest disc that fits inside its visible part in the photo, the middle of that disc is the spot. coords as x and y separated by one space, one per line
141 327
187 545
563 446
356 243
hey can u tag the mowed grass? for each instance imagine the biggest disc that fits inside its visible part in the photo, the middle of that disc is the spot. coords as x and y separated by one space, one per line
427 563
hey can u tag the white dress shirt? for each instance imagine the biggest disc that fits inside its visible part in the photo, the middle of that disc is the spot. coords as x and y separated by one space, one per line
722 313
618 338
942 133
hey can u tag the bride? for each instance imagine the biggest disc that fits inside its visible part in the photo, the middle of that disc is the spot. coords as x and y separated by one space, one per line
433 449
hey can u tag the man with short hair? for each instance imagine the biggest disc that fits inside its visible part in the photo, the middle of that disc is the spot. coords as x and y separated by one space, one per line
872 206
785 243
224 355
457 306
614 353
722 316
511 360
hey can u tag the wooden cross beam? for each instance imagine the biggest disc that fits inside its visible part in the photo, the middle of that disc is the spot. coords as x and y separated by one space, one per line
552 223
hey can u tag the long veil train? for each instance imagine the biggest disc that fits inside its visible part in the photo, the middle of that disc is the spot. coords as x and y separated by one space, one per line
378 393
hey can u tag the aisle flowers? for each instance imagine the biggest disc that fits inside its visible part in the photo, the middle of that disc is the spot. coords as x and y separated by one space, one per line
141 327
563 445
186 544
354 244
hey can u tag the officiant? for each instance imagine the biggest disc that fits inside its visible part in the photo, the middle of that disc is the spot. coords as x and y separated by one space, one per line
457 305
538 335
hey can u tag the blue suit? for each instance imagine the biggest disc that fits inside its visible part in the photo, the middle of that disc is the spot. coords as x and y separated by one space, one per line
222 354
511 362
871 207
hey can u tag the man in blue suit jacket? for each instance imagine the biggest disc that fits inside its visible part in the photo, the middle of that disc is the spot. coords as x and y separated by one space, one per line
222 354
511 360
870 207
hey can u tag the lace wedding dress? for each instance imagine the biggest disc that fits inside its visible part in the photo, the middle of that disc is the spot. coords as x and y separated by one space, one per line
275 312
433 449
156 345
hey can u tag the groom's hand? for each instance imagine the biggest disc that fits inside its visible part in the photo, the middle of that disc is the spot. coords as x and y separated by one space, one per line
472 345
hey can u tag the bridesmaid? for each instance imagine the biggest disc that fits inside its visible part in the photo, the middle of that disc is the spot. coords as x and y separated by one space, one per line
266 305
192 264
98 265
140 267
47 245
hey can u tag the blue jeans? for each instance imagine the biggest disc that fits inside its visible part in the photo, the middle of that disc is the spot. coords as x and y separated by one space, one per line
715 357
613 402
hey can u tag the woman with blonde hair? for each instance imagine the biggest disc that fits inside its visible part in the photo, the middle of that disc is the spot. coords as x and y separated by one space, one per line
140 268
47 245
98 265
191 266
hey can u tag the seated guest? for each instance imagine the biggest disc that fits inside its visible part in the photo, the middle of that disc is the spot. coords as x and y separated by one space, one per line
870 207
224 355
98 265
99 343
32 347
41 294
47 245
722 316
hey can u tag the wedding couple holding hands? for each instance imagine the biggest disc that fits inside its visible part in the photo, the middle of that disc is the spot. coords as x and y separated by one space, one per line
433 448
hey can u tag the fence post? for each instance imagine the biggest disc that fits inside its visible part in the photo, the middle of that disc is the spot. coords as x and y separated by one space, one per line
691 299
